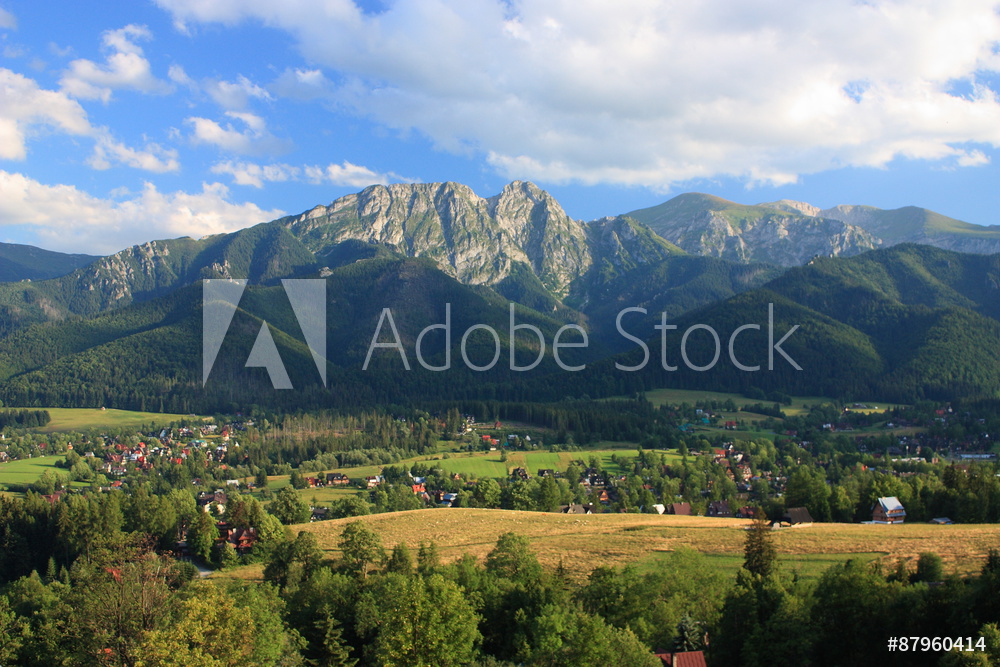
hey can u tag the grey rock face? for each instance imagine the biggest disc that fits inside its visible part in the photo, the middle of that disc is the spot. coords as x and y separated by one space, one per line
477 240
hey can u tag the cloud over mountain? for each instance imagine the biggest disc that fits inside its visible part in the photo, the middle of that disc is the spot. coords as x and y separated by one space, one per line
62 217
655 93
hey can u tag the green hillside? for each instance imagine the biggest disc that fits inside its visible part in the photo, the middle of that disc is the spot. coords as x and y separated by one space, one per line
912 223
25 262
905 323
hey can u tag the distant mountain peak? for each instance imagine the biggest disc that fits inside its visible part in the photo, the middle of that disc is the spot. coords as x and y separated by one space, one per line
477 240
708 225
792 206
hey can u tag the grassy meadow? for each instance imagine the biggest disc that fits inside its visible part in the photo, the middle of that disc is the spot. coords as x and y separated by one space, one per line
27 471
81 419
583 542
798 406
691 396
475 464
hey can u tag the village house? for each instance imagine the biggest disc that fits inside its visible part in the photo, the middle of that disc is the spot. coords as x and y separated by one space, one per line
719 508
577 509
797 516
242 539
337 479
209 497
682 659
679 509
888 510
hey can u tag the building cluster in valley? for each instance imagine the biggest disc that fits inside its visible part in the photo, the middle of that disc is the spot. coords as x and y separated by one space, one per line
733 483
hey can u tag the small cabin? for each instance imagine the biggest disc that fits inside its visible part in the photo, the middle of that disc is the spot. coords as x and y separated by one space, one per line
798 516
888 510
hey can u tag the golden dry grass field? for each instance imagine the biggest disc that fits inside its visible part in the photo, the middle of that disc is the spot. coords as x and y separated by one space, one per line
583 542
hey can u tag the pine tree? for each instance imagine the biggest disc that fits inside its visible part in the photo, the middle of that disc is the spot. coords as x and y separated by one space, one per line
427 558
759 553
690 635
400 560
332 651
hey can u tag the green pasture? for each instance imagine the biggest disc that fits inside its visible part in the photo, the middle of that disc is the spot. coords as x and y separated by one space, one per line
27 471
82 419
798 406
476 465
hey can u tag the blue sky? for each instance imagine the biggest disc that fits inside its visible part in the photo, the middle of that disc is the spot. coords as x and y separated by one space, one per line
132 120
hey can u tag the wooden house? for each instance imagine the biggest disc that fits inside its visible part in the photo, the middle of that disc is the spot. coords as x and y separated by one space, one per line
679 509
719 508
888 510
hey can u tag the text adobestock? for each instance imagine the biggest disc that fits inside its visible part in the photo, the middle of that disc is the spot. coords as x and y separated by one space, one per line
582 342
307 297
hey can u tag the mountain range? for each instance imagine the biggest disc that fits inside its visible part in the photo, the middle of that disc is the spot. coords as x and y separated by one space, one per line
878 316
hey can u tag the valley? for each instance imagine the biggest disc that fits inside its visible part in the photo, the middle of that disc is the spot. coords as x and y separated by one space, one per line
690 408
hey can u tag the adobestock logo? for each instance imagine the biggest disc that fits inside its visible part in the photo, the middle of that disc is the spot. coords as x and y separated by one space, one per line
220 299
579 339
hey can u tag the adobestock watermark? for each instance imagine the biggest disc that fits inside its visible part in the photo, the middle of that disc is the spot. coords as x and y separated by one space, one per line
558 344
221 299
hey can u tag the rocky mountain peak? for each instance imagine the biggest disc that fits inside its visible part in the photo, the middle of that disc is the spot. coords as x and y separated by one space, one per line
792 206
708 225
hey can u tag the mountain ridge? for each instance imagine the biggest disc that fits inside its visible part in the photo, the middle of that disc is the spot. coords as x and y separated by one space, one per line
709 225
26 262
889 315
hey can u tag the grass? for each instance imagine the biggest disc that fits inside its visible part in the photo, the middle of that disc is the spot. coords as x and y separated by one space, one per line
798 406
325 495
27 471
476 465
583 542
808 567
80 419
736 435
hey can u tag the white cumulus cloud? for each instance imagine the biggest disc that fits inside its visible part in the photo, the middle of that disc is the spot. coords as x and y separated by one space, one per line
25 108
177 74
655 92
303 85
248 173
153 157
235 94
63 217
125 68
345 174
249 137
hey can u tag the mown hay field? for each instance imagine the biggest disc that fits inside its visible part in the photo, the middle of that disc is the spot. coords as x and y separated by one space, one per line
582 542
